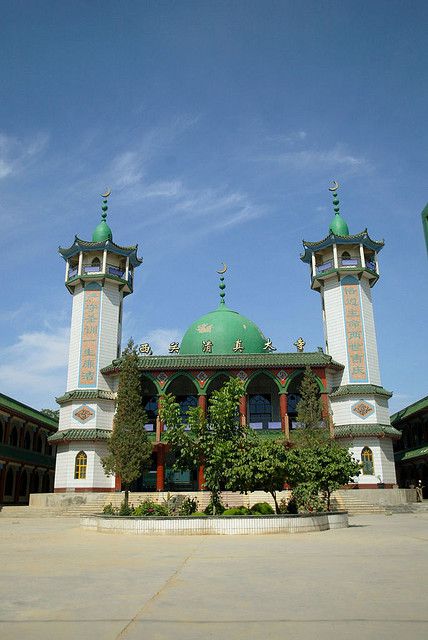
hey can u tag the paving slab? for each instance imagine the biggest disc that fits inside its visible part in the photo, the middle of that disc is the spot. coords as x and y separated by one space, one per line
59 581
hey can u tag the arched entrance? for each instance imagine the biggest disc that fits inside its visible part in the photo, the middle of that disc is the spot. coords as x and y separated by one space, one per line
263 403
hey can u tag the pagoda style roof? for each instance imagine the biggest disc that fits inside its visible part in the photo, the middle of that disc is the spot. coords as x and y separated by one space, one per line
359 389
86 394
360 238
373 429
70 435
84 245
235 361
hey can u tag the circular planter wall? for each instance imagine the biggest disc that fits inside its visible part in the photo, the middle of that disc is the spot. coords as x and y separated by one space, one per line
211 525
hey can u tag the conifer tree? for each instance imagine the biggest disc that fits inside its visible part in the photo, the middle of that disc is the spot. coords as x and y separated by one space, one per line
309 408
129 446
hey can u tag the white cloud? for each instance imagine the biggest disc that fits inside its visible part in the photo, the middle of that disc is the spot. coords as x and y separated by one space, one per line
33 369
325 159
16 154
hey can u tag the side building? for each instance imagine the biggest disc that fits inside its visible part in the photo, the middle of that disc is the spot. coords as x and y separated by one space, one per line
411 451
27 459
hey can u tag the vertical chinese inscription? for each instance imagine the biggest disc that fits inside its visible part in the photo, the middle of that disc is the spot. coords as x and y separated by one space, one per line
354 333
89 341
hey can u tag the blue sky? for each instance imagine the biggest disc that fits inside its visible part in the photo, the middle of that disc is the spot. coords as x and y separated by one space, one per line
218 126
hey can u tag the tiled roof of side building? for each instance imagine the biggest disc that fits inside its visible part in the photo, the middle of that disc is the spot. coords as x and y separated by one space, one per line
359 389
69 435
238 361
372 429
412 409
7 403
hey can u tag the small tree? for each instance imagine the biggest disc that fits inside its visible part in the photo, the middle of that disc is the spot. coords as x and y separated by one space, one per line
259 464
309 408
213 442
129 446
52 413
317 464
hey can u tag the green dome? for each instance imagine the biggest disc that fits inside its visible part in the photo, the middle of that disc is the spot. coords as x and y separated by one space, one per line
222 327
102 232
338 226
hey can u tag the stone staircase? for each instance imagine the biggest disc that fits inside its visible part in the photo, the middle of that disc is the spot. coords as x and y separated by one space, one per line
355 505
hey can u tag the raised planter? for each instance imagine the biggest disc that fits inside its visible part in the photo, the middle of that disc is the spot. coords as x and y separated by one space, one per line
211 525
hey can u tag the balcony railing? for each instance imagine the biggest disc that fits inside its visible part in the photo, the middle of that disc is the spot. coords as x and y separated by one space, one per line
325 266
350 262
111 270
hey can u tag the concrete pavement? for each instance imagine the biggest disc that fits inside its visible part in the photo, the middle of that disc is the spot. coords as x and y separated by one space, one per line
58 581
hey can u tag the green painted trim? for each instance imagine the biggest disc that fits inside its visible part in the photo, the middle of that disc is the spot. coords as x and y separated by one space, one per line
361 430
187 375
268 374
402 456
152 379
236 361
359 389
7 403
71 435
24 455
419 405
85 394
216 375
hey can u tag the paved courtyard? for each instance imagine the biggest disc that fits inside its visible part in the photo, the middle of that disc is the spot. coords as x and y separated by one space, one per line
60 582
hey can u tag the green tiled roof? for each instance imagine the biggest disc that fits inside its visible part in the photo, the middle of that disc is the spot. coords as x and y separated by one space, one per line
69 435
373 429
360 389
410 454
236 361
80 244
362 237
420 405
86 394
25 411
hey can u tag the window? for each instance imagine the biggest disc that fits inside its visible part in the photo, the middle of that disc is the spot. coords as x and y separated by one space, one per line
260 406
13 438
346 255
96 262
367 460
27 441
8 487
80 466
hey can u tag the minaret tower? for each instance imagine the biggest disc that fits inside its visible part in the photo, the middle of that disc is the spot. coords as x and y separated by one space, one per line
98 274
344 268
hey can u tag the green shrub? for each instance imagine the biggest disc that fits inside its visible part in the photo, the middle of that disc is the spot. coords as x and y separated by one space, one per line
125 510
237 511
109 510
150 508
219 508
188 506
262 508
199 514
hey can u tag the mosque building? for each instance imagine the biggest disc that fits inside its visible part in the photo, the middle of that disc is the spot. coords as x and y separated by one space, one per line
221 344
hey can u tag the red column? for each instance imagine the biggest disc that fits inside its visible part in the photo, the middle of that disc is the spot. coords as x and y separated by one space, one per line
201 478
159 423
283 408
160 468
202 402
243 409
117 482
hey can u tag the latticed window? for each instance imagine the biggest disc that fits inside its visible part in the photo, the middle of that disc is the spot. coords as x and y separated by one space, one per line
80 466
367 460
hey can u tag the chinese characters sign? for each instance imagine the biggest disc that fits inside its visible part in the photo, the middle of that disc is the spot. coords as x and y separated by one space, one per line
89 340
354 333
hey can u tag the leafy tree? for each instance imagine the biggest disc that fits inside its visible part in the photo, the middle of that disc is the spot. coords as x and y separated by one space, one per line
309 408
259 464
52 413
129 446
317 464
213 442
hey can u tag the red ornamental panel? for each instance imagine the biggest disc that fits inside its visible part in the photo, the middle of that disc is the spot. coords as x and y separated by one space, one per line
354 333
89 341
